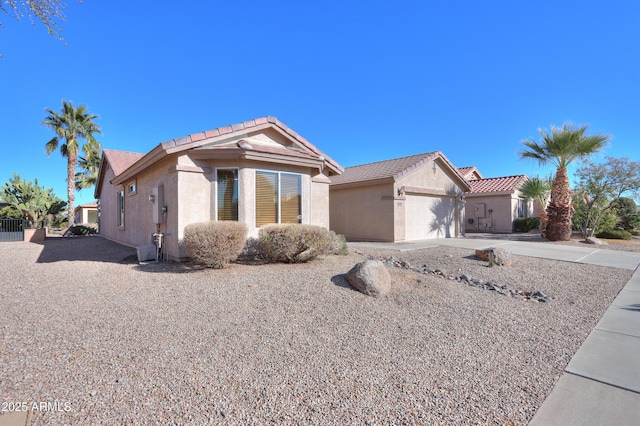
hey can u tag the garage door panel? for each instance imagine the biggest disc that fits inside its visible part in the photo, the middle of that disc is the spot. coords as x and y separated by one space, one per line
429 217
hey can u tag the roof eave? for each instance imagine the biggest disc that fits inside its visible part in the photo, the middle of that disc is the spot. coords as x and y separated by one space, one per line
155 155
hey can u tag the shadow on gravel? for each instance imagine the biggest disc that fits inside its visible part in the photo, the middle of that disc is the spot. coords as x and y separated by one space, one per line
341 281
83 248
168 267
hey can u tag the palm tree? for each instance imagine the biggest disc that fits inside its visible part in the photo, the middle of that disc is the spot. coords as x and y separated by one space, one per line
561 147
70 125
538 189
89 165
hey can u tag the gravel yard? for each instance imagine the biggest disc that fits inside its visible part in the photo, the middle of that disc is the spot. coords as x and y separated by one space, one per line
114 342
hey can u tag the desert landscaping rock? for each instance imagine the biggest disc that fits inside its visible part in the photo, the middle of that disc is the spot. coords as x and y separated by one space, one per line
495 256
286 344
370 277
595 241
504 289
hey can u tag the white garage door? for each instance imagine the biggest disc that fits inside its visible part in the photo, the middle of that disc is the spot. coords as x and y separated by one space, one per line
429 217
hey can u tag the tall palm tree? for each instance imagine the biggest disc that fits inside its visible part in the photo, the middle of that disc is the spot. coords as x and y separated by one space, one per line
538 189
70 125
561 147
89 165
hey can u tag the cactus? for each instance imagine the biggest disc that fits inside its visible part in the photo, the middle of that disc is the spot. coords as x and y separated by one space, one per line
34 202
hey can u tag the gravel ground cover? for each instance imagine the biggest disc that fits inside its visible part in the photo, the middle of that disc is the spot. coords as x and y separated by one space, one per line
106 341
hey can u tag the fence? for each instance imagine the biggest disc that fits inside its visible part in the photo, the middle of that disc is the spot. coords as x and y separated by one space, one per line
12 229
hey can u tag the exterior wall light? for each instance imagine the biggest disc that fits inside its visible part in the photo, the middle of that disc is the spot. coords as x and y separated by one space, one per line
152 198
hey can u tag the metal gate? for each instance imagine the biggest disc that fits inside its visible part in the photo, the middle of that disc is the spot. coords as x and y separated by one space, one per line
12 229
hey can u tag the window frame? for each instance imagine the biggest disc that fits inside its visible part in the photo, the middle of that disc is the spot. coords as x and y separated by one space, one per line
523 208
278 174
217 195
132 188
120 208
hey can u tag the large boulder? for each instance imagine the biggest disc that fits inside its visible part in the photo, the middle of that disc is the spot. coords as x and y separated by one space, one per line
495 256
370 277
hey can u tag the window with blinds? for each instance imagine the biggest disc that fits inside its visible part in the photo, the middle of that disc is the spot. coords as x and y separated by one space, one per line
278 198
227 194
290 198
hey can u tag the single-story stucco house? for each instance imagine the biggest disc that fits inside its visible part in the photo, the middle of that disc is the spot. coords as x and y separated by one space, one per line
257 172
86 213
403 199
493 204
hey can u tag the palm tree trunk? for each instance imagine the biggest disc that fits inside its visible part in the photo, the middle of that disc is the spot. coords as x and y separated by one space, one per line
72 161
560 209
544 220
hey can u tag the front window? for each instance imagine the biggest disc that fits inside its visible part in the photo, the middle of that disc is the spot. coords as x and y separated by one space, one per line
278 198
523 208
120 219
227 194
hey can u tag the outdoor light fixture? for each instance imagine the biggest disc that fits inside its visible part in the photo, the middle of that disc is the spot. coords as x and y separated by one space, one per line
152 198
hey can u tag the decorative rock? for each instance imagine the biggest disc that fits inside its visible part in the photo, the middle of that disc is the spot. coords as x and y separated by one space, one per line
596 241
370 277
495 256
505 290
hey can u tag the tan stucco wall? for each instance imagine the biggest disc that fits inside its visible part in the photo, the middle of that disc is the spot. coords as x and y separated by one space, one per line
193 182
363 213
433 178
500 220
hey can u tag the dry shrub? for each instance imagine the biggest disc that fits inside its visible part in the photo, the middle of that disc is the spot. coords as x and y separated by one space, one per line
294 243
214 244
338 244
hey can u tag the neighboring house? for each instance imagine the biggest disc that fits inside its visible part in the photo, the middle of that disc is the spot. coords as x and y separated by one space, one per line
86 213
494 203
257 172
470 173
403 199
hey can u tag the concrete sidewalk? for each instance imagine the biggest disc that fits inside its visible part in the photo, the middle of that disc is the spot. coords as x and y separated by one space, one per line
601 383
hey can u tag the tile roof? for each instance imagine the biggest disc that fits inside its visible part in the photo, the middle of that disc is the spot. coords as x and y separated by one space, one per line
248 125
468 171
390 169
382 169
121 160
497 184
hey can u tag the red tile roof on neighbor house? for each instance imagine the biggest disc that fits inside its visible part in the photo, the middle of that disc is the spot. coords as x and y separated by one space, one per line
497 184
469 171
121 160
393 168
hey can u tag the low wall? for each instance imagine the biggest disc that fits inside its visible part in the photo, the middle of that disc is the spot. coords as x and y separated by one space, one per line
34 235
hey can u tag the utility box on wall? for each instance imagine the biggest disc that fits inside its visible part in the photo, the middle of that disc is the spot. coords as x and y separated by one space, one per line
480 210
158 205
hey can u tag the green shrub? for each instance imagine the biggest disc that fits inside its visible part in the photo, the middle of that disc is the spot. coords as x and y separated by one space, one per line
615 234
526 224
88 229
214 244
294 243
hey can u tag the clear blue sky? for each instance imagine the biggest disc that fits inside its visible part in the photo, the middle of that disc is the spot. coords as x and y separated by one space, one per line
363 81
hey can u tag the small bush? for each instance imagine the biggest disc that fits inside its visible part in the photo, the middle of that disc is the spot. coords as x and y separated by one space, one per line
293 243
88 229
338 244
526 224
615 234
214 244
